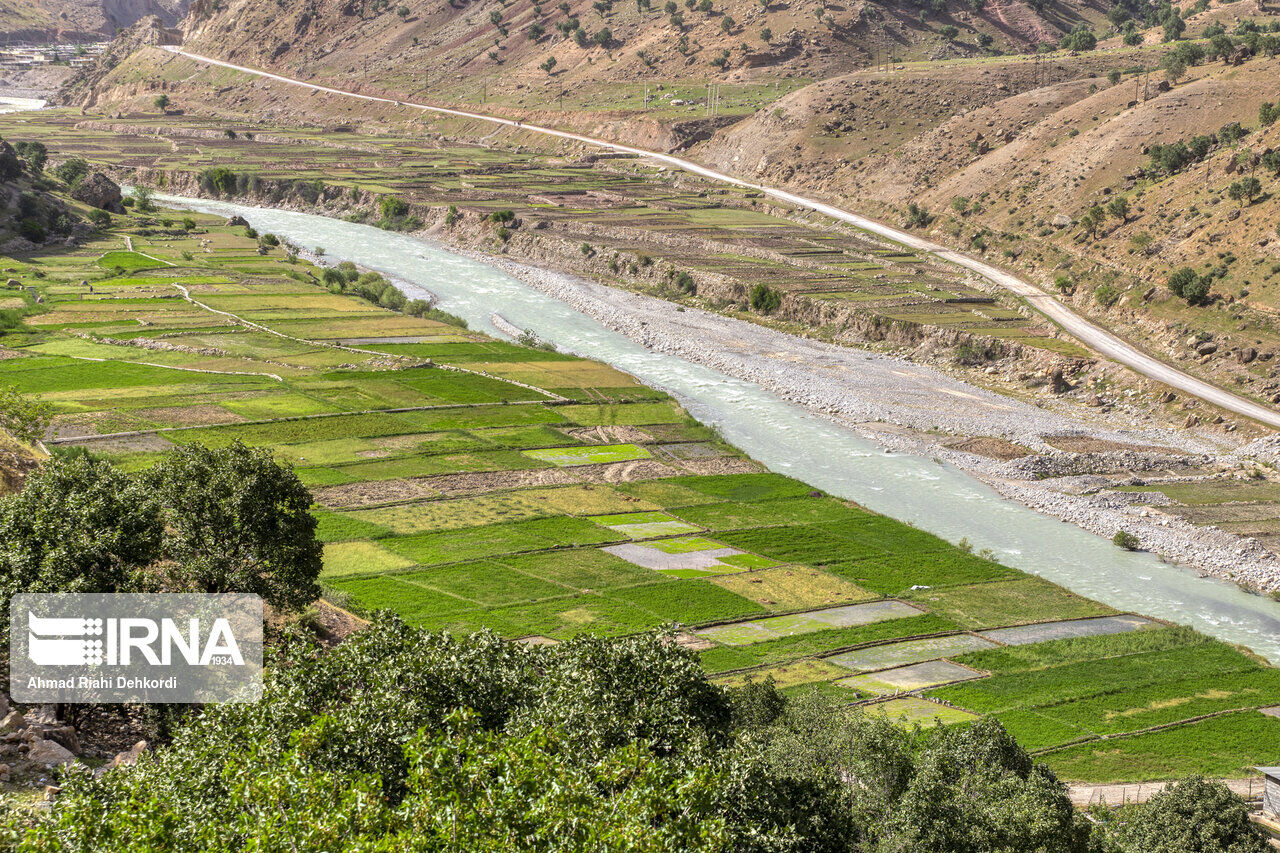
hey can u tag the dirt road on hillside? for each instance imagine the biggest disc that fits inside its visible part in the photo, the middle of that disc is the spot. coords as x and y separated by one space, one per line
1087 333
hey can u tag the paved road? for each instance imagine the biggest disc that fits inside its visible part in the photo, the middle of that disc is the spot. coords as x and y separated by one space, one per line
1087 333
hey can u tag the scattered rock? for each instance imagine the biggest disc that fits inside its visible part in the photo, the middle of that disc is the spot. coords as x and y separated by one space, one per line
12 722
49 753
64 735
125 759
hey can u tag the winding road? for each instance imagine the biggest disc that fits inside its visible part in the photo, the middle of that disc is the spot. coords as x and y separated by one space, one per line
1094 337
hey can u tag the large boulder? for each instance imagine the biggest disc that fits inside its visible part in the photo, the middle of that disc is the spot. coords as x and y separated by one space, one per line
49 753
99 191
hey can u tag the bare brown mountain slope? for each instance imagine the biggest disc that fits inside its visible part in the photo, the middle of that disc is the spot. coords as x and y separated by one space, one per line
499 52
41 21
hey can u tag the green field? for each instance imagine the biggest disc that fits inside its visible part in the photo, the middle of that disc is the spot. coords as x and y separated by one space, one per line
584 505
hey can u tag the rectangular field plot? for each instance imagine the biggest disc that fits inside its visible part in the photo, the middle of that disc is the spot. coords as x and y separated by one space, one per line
787 675
905 679
1125 675
592 455
496 539
999 603
1047 631
732 515
360 558
488 584
895 573
686 556
909 651
582 569
1221 747
909 710
794 587
641 525
689 602
744 633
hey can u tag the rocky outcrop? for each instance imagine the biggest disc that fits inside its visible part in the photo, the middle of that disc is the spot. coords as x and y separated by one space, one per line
99 191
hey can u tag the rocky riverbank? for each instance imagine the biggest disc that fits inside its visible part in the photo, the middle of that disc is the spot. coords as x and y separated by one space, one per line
908 407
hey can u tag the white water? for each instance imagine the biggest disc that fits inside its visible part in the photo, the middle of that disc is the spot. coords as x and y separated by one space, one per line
16 105
934 497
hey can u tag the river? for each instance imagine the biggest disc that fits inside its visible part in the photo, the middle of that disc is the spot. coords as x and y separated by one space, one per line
792 441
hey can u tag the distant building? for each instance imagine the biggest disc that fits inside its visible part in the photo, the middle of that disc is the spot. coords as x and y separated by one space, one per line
1270 791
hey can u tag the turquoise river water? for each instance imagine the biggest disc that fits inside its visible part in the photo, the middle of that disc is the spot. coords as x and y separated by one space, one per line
792 441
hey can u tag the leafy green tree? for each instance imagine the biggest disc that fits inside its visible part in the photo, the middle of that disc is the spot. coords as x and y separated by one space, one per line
1126 540
917 216
946 789
1220 46
142 199
764 299
1244 190
1232 133
1271 160
20 416
161 102
237 521
1080 38
1191 816
1174 67
1174 27
403 740
949 32
1187 284
1118 208
393 207
78 525
1093 219
218 180
35 154
71 171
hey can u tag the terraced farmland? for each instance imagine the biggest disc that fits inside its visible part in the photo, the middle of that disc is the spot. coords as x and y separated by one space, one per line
648 226
461 500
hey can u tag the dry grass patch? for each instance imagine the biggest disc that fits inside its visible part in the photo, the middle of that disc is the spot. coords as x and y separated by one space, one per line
360 558
788 675
793 588
588 499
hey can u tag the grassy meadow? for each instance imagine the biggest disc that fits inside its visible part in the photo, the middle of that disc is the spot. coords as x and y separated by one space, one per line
462 501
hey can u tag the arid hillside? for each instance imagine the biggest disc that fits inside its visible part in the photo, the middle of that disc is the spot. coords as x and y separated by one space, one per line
79 20
597 55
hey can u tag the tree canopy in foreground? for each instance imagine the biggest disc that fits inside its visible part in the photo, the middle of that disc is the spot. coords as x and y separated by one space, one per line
405 740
